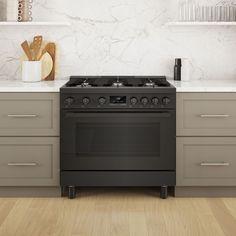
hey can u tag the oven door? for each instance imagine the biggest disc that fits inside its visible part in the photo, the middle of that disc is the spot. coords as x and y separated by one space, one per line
118 141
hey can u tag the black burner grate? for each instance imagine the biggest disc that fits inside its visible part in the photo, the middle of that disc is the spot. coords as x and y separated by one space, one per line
117 81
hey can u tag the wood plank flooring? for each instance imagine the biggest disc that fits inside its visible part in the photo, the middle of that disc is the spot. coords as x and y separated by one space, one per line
118 212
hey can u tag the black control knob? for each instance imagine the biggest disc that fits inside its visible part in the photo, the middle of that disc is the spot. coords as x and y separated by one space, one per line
69 101
144 101
133 101
166 100
86 101
155 101
102 100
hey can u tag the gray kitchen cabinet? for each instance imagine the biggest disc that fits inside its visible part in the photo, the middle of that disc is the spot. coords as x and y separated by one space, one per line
206 161
206 144
29 161
206 114
29 144
29 114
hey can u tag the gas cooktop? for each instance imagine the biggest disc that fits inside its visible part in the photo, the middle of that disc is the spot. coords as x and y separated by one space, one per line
118 92
118 82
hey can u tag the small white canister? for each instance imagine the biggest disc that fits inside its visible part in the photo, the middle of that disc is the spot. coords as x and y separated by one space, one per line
31 71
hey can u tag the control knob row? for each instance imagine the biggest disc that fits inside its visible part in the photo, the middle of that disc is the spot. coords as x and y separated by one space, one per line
102 100
154 101
86 100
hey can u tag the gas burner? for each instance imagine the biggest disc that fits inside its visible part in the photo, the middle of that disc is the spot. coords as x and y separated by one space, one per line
149 83
85 85
117 83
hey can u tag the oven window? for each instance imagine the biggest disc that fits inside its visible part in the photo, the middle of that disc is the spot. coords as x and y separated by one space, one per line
109 139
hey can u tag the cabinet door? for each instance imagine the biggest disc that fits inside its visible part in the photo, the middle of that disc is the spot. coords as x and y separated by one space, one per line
206 114
29 114
29 161
206 161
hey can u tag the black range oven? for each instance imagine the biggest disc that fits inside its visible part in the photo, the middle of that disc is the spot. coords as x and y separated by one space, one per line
118 137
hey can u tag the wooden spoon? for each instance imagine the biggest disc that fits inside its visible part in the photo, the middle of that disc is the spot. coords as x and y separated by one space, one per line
26 49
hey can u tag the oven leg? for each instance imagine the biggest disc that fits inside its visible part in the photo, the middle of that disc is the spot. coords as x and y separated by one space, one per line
71 192
164 192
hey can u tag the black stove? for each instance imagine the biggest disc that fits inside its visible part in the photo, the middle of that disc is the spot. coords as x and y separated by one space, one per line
117 131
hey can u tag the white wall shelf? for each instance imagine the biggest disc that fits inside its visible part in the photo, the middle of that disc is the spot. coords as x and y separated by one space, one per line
35 23
201 23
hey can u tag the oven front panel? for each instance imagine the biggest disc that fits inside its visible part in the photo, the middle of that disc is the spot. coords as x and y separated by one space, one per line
117 141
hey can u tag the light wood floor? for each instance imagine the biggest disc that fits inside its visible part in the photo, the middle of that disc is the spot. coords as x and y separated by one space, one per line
118 212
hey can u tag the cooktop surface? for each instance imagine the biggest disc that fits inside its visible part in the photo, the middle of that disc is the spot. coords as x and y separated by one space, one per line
117 82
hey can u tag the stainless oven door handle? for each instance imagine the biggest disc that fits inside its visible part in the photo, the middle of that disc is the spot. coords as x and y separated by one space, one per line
110 115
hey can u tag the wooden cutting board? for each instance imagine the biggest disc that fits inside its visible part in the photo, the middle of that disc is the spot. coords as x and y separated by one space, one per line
51 49
47 65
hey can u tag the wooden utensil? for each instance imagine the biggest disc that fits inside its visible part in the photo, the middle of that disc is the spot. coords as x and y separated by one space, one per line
32 50
51 49
36 45
26 49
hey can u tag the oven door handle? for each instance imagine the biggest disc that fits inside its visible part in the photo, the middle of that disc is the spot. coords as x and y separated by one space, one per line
165 114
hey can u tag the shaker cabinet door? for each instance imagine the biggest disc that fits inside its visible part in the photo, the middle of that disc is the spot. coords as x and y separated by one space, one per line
29 161
206 114
29 114
206 161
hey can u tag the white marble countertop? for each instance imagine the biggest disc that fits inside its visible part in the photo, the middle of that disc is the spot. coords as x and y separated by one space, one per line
17 86
210 86
197 86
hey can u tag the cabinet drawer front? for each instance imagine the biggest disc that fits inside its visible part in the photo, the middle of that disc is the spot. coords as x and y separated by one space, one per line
206 114
206 161
29 114
29 161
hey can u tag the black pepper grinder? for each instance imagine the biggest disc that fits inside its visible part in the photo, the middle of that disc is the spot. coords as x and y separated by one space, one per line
177 69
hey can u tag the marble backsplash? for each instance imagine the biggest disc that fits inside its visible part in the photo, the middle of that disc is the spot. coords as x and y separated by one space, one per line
122 37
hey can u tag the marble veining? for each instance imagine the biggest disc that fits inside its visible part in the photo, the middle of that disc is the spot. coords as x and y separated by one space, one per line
122 37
